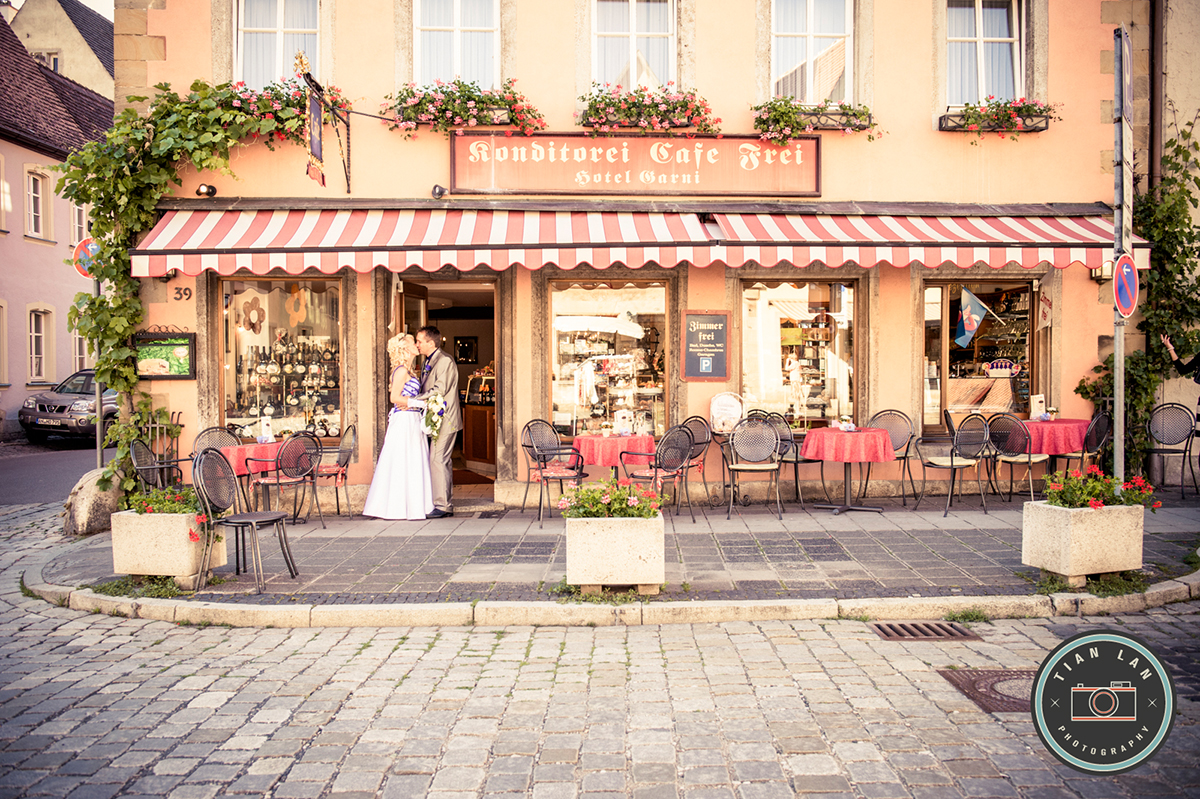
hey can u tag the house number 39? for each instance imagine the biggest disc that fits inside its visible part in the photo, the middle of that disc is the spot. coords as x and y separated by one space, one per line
183 293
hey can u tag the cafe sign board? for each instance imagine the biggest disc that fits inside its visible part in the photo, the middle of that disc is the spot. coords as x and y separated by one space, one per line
705 348
490 162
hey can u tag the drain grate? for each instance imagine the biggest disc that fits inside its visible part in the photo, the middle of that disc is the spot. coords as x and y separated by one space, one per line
923 631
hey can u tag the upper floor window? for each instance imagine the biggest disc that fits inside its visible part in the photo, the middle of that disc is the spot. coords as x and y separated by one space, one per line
37 208
812 49
49 58
270 33
634 42
983 55
457 39
39 328
79 223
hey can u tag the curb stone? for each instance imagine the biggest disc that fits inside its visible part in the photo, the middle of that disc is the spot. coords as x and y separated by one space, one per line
544 614
933 608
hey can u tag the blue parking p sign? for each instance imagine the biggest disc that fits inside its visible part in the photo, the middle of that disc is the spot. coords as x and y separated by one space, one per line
1125 286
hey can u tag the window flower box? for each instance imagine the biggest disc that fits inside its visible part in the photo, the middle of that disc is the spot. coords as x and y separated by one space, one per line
455 106
665 110
781 119
1005 117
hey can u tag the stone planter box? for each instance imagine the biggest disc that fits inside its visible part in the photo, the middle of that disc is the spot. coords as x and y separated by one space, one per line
1076 542
158 544
616 552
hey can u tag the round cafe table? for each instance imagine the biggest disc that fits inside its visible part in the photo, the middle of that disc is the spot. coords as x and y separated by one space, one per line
864 445
1057 437
606 450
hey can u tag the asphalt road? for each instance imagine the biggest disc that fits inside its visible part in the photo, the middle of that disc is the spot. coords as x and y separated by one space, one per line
35 473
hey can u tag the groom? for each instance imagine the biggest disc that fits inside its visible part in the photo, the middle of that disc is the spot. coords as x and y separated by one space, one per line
440 375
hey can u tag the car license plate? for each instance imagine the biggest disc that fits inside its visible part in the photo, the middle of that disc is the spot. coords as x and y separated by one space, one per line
51 422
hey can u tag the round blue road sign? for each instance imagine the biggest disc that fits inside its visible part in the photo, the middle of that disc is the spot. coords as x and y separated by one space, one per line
1125 286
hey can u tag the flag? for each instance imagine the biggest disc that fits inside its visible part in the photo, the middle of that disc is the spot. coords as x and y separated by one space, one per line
313 129
970 317
1045 311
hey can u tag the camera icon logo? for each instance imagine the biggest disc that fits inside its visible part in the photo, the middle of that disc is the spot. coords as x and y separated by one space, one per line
1117 702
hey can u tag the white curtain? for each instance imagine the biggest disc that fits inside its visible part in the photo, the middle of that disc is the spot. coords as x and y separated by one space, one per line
998 56
810 55
961 66
437 56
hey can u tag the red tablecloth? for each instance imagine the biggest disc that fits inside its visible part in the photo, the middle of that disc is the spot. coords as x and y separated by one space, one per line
237 457
1058 437
867 444
606 450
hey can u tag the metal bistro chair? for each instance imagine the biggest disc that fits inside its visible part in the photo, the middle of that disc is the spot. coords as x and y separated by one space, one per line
152 471
214 437
900 432
1009 439
338 469
670 460
1099 430
295 467
219 492
701 438
1172 425
754 448
789 452
546 459
967 449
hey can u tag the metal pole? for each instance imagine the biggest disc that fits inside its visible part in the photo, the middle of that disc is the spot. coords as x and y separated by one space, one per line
99 402
1118 398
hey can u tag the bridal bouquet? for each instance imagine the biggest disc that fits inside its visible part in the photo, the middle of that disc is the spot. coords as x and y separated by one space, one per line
435 411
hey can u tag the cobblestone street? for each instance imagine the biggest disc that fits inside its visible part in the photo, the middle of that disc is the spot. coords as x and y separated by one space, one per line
97 706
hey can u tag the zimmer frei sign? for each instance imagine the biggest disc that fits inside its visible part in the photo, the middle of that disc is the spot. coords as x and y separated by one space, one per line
574 163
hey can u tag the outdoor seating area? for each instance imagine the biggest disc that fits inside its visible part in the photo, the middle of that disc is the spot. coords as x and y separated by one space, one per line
756 446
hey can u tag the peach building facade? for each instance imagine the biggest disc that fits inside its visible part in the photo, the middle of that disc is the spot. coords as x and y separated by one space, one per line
835 299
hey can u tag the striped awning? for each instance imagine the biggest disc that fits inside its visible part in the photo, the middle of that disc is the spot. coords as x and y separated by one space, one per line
226 241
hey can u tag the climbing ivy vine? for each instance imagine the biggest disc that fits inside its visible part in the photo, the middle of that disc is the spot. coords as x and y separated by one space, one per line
1163 216
122 178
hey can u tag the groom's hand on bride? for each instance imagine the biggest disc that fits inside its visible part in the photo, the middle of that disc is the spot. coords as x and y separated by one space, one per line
402 404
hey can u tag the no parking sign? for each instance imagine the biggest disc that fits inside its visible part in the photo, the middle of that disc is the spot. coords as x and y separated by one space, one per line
83 254
1125 286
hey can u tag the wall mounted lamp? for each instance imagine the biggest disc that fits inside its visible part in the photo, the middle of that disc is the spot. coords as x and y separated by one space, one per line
206 190
1104 273
166 276
439 191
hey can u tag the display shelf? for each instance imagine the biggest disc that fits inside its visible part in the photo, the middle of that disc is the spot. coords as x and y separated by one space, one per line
597 386
296 385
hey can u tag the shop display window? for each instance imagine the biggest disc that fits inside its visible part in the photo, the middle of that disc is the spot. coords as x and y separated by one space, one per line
798 350
608 358
282 356
980 361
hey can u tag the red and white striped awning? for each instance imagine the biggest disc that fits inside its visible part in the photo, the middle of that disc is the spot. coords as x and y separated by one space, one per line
930 241
431 239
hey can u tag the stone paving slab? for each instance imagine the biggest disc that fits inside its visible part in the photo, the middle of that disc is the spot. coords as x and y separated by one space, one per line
504 556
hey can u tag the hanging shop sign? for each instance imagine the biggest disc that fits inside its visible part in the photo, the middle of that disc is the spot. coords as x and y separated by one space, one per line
575 163
705 345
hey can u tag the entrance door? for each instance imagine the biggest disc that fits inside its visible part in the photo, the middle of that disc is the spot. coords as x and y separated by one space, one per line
410 307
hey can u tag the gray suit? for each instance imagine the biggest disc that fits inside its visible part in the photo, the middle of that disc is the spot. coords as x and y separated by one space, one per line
442 377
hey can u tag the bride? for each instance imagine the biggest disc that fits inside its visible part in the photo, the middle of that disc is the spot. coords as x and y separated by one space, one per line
400 488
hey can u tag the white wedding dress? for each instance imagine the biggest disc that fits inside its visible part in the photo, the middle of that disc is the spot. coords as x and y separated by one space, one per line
401 488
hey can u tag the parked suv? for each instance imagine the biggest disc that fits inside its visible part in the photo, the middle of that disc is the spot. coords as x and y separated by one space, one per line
68 410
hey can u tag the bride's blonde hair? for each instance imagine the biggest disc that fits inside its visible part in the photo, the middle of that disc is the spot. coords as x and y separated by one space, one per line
402 350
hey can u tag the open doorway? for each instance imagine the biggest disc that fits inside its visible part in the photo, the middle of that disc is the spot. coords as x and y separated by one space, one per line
464 312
